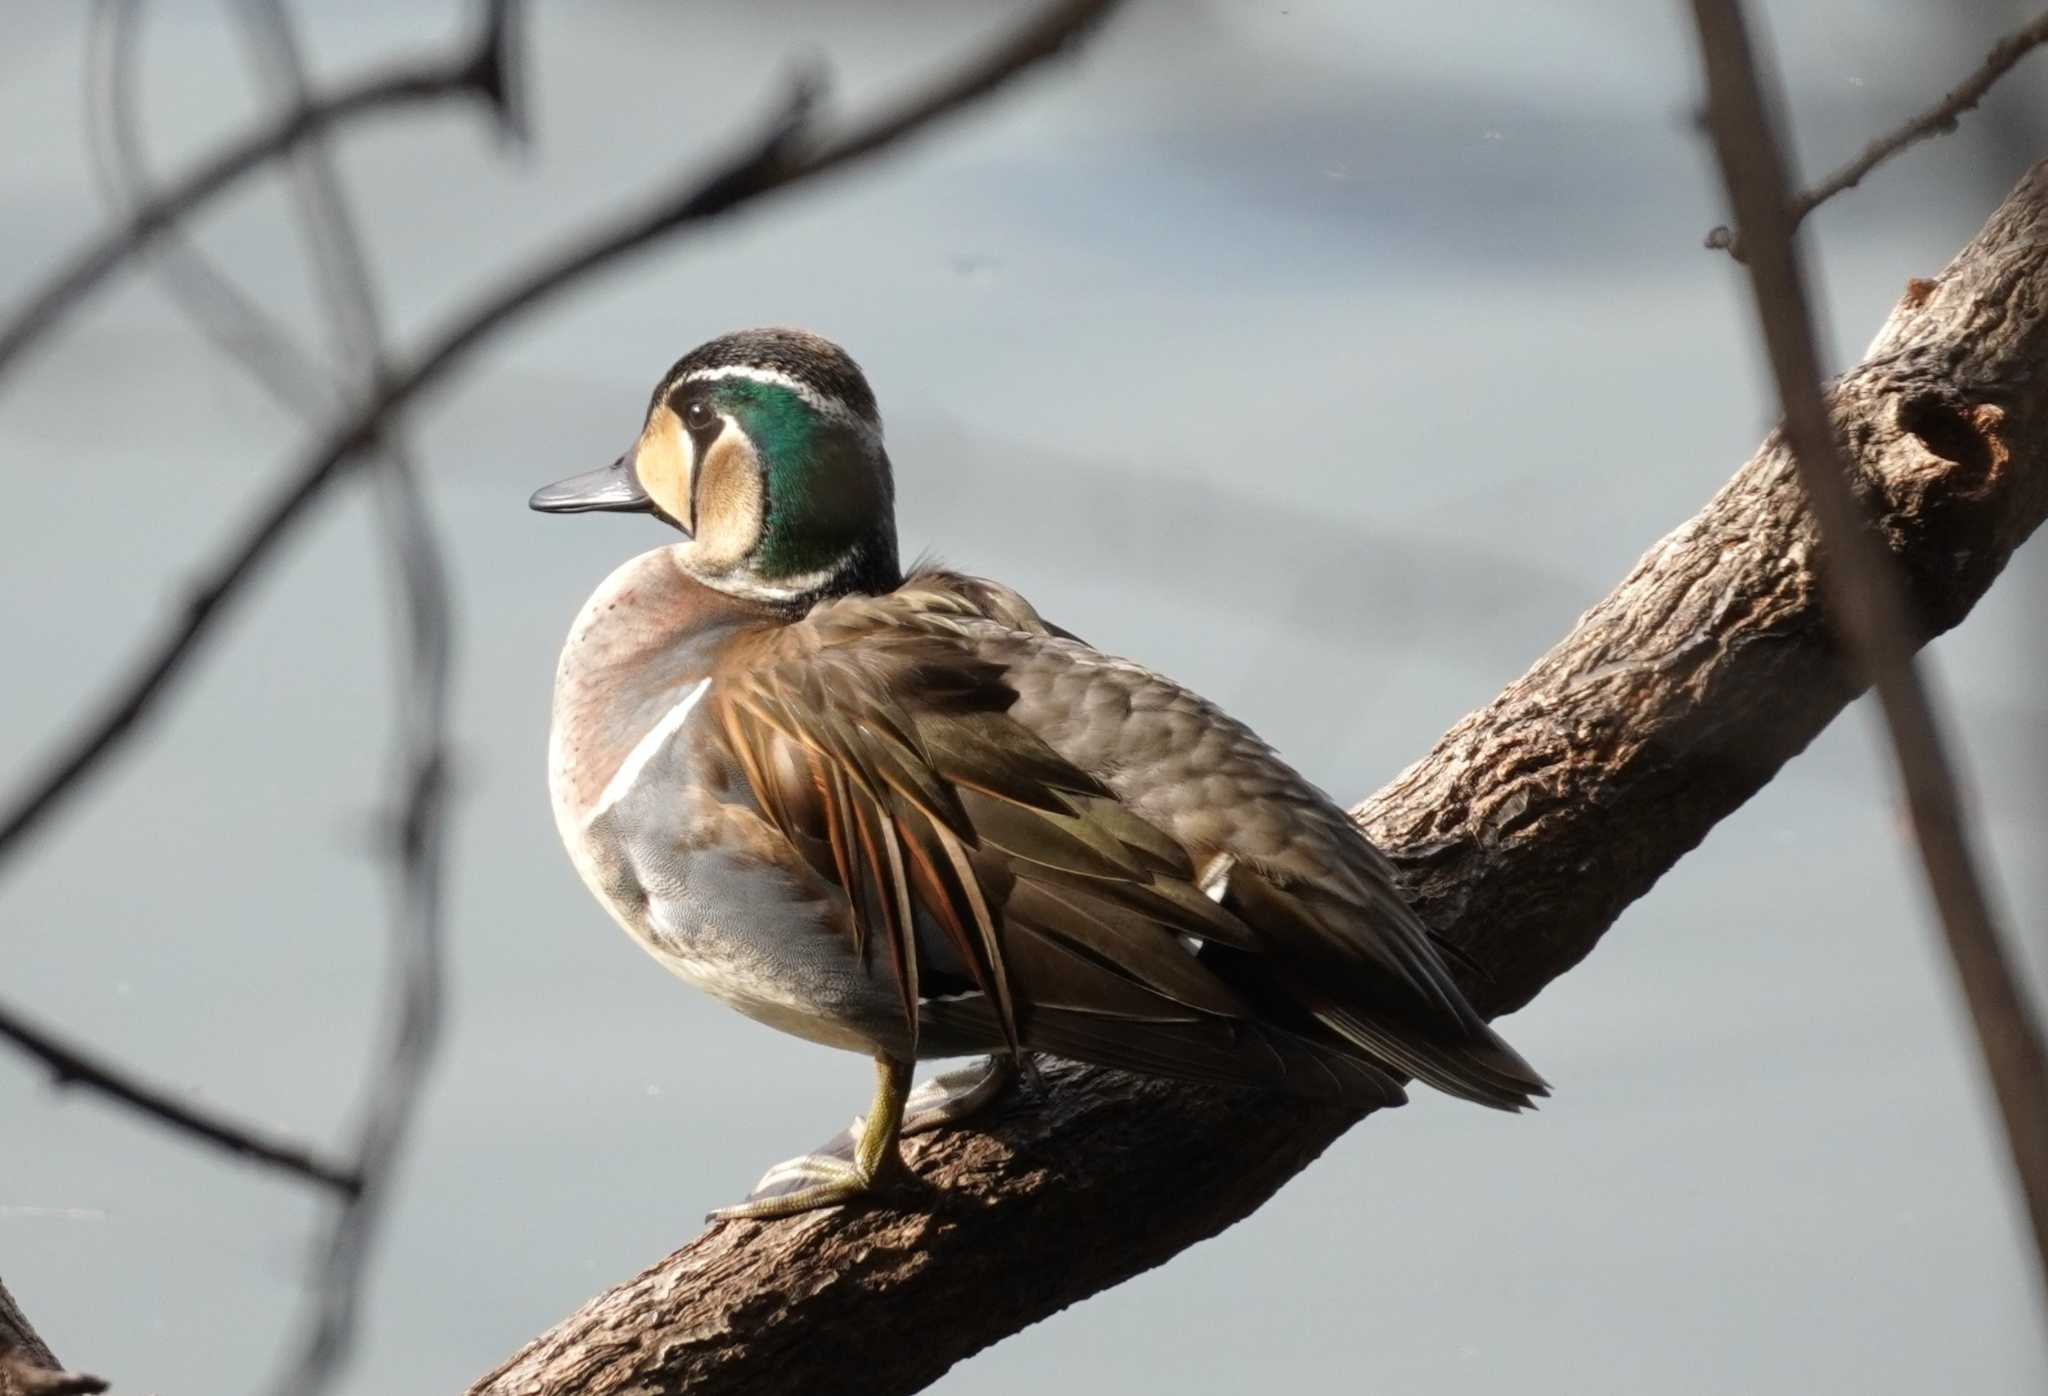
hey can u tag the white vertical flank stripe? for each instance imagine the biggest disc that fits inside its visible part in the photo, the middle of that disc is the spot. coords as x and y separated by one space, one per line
644 751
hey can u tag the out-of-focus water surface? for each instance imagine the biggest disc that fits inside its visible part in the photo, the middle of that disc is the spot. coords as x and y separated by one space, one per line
1330 357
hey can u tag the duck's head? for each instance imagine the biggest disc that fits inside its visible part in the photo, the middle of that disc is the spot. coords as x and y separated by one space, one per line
764 448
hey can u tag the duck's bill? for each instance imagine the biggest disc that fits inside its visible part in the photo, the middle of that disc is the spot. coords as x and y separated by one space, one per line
613 489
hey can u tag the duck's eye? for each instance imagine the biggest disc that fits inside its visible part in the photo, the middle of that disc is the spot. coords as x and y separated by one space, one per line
698 416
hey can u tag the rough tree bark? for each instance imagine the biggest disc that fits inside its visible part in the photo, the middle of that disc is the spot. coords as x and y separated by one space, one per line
1521 837
27 1366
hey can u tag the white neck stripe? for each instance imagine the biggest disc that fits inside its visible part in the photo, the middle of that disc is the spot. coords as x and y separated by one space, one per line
751 588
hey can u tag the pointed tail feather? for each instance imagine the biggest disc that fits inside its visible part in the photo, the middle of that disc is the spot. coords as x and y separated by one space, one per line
1484 1070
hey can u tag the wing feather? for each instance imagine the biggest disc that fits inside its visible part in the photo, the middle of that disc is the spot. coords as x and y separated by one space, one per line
981 788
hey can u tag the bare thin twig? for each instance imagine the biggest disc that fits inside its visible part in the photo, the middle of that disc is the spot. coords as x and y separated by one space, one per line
1865 600
482 68
206 292
478 70
267 349
782 156
1938 119
76 1066
241 329
415 1017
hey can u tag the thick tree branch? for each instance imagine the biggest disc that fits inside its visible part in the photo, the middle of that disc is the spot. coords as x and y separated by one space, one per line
1867 607
1521 837
1937 120
27 1366
18 1335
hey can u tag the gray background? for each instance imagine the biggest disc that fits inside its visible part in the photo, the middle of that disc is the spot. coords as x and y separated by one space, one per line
1331 357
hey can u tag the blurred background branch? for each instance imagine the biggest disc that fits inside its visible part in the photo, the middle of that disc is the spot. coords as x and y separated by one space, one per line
479 69
1864 592
70 1065
249 336
1937 120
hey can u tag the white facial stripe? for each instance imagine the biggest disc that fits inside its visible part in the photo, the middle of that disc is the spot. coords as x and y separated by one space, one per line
644 751
818 402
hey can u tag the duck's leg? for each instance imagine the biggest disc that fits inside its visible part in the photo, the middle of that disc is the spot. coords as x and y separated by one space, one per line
946 1099
829 1176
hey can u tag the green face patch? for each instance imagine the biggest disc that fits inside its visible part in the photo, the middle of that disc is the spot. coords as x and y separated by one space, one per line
825 489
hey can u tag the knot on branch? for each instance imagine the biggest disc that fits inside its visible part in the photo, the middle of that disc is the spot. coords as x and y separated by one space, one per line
1961 434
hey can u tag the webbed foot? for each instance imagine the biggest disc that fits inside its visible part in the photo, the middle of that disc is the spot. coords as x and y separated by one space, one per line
800 1185
847 1167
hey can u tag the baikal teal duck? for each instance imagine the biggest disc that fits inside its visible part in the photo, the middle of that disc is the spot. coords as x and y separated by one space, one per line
906 816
